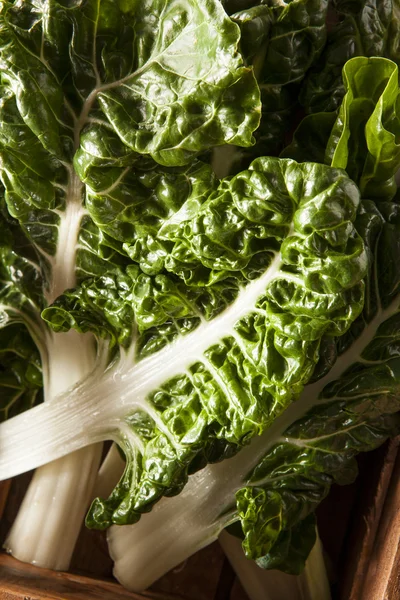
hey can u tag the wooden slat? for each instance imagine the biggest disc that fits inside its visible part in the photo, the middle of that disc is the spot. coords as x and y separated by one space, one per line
373 485
19 581
4 490
381 580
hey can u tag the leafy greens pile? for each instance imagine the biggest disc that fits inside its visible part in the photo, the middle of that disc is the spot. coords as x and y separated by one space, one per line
185 291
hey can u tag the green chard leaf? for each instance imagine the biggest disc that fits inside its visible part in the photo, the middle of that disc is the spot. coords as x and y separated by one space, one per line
281 41
254 274
20 304
350 403
20 371
271 488
364 28
355 405
21 281
75 73
90 68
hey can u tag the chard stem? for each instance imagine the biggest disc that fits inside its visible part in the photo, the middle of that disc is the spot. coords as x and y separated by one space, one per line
52 512
109 474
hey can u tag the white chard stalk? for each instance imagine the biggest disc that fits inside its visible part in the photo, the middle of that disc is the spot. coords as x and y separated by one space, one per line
314 583
109 473
51 515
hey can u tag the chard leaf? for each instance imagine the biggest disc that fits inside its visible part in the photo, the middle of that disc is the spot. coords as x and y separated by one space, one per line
363 136
21 332
281 41
255 24
20 371
311 138
254 276
276 507
21 282
92 74
372 104
129 206
365 28
149 82
355 405
165 90
273 485
296 40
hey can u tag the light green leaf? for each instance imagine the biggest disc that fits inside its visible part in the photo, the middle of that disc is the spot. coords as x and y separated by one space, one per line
364 139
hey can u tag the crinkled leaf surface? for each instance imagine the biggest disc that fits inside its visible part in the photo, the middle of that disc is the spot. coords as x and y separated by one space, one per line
356 405
254 274
282 41
137 82
354 396
168 90
100 70
273 485
351 403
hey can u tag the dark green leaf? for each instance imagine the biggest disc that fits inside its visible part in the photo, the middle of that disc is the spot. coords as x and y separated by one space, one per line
365 28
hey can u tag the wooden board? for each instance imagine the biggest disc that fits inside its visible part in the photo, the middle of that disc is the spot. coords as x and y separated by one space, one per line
20 581
4 491
370 561
382 576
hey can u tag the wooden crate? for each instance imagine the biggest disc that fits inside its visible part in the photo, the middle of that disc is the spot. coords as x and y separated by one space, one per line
359 524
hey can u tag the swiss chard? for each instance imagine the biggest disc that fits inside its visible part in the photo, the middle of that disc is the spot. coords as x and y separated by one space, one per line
281 41
72 73
351 404
189 316
360 28
256 272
